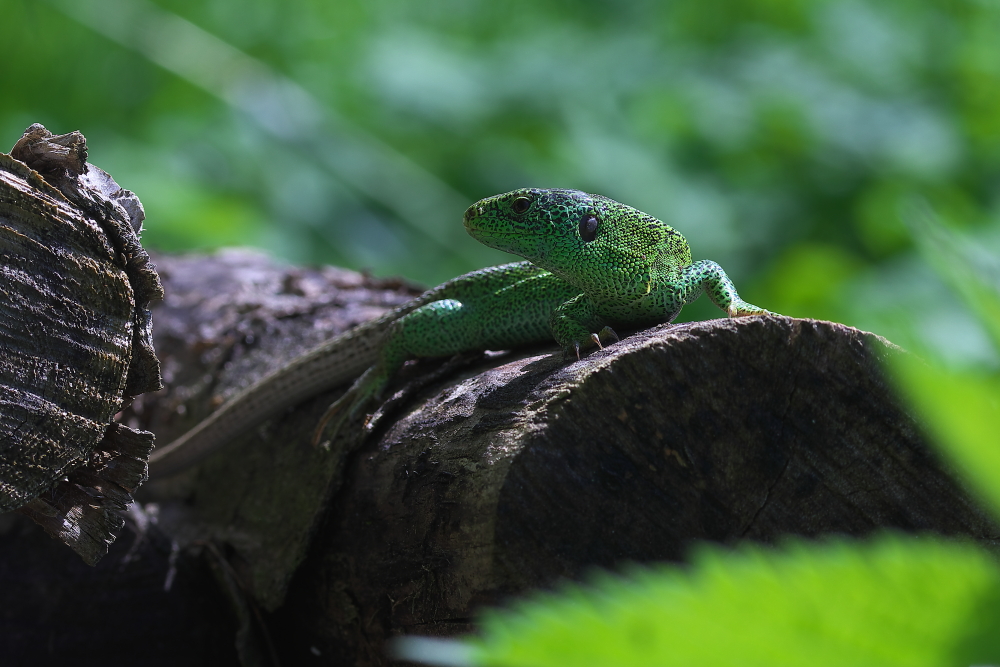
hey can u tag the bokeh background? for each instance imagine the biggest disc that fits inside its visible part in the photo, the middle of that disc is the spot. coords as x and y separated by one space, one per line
789 140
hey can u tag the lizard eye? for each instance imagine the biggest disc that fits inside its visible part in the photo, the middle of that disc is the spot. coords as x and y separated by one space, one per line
521 204
588 227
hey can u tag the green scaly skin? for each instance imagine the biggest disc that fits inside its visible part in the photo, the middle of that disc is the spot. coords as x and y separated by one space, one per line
593 264
631 269
622 267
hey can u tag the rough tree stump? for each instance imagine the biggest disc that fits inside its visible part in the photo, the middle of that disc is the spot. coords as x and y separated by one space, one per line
513 471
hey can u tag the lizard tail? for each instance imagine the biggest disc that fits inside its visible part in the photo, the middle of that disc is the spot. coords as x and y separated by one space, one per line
326 367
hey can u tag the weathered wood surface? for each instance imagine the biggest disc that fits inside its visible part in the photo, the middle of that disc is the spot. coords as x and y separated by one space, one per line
534 471
225 322
75 340
517 470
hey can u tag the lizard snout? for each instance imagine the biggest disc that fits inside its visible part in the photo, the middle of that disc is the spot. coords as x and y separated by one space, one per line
471 214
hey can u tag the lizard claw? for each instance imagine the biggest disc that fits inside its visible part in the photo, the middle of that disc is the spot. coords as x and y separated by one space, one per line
744 309
606 336
330 413
607 333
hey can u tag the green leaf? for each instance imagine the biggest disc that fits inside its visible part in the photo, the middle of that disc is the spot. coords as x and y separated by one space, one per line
960 265
961 408
893 601
962 411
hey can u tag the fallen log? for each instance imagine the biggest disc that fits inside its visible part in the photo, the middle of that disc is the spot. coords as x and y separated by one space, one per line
498 473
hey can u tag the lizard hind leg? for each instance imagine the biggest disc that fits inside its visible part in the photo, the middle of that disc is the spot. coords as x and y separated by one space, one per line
366 388
439 328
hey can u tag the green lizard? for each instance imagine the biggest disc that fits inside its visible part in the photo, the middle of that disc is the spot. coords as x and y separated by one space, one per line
593 263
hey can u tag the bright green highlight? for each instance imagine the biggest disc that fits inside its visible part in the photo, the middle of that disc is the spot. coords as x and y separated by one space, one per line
891 602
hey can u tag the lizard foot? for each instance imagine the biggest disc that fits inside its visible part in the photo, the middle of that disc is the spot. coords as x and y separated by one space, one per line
607 336
744 309
604 337
332 412
370 387
367 387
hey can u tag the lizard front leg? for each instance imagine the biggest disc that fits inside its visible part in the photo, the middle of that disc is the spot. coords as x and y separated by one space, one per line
708 277
573 325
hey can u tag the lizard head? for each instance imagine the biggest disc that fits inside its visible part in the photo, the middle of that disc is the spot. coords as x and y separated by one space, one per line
532 222
577 236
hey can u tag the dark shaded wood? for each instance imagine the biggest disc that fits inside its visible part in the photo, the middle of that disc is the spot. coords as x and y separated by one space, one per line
57 611
227 320
534 471
520 469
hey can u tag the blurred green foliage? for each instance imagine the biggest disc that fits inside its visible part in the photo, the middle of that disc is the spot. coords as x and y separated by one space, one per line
960 407
779 136
787 139
892 602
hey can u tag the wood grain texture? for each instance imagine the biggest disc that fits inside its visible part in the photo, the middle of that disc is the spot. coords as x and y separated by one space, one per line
535 471
517 470
66 333
75 340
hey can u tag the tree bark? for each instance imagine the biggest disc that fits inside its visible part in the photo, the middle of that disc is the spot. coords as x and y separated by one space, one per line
75 340
498 473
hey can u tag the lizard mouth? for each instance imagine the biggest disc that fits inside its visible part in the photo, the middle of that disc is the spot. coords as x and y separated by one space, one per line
493 238
481 235
477 232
